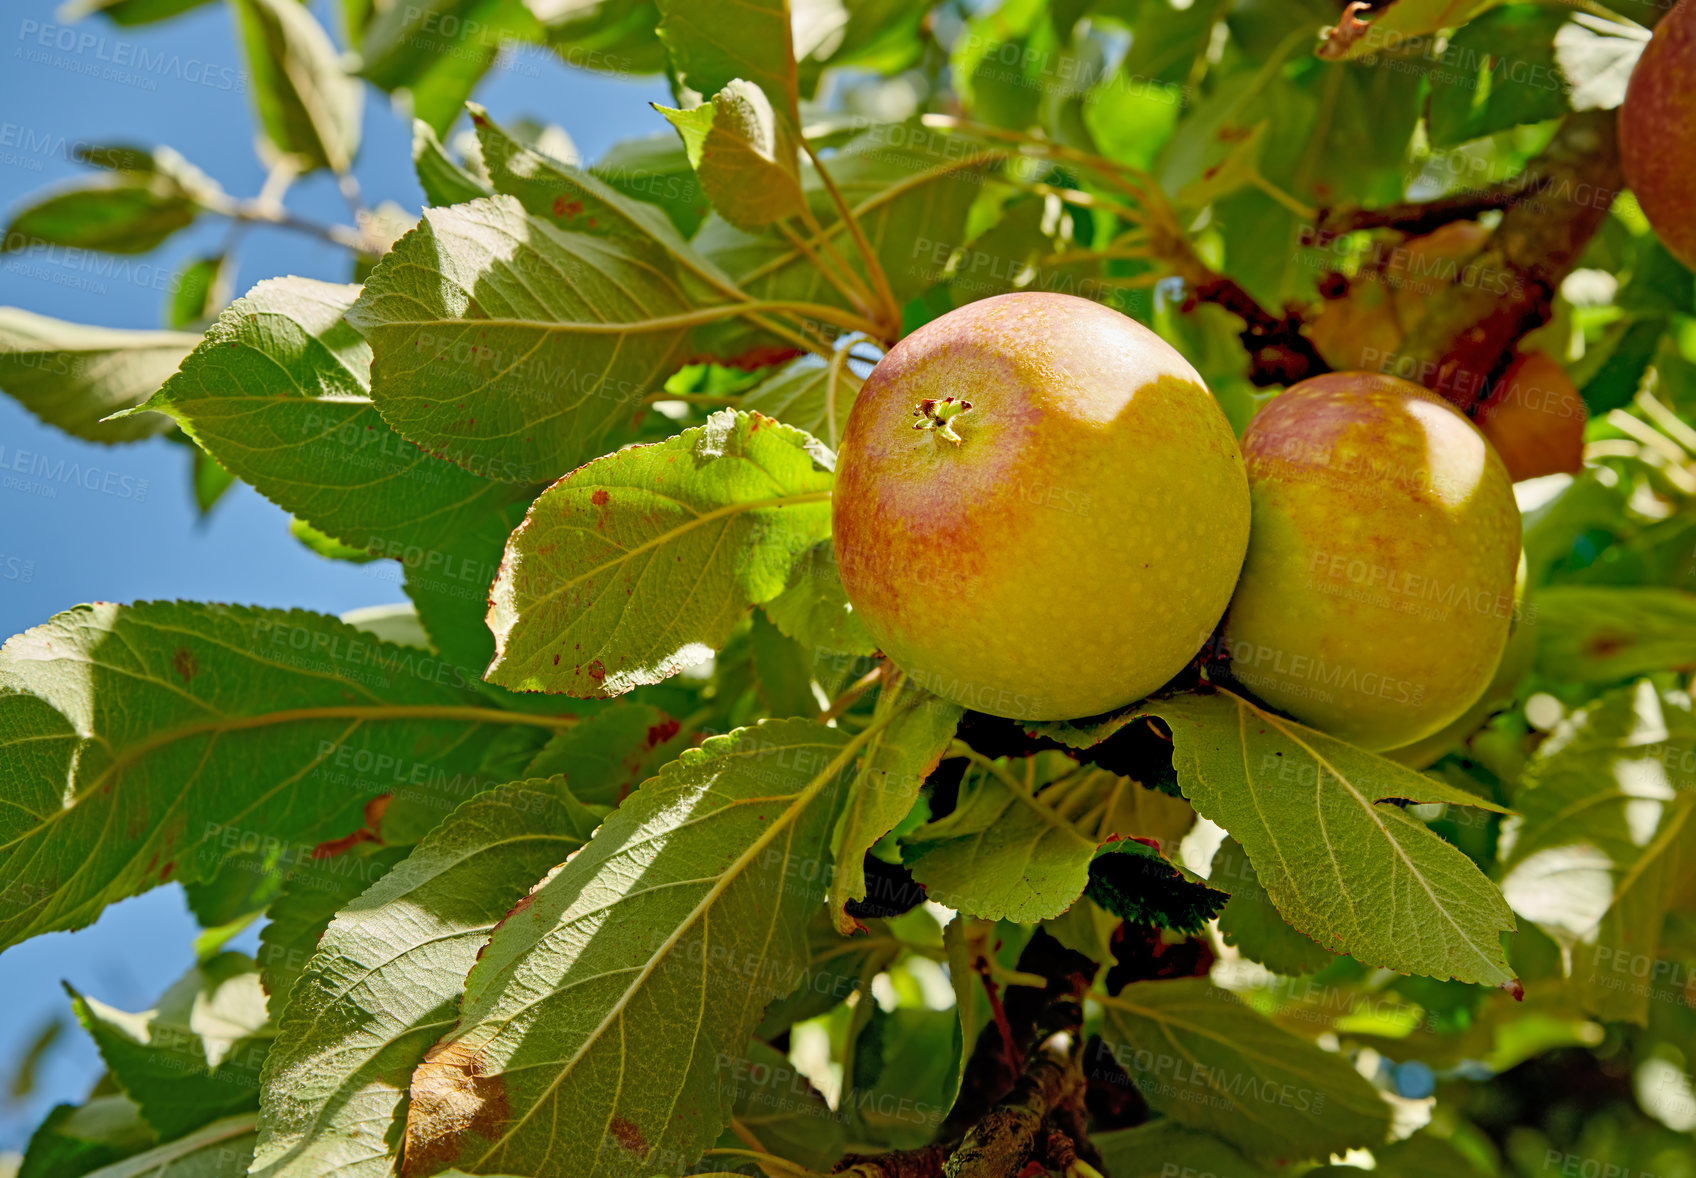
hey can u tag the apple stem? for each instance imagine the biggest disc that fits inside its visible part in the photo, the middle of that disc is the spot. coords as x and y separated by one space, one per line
939 416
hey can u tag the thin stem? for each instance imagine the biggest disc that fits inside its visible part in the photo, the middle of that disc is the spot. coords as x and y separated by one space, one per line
846 700
1306 213
840 280
832 377
874 268
962 749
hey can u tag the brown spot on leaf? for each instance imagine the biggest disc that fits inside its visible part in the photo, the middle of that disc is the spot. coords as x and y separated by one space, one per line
567 208
658 734
1604 645
453 1103
629 1136
185 664
370 831
597 671
599 498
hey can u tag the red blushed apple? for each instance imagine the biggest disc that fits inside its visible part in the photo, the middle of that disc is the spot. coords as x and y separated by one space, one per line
1535 419
1379 586
1040 511
1657 131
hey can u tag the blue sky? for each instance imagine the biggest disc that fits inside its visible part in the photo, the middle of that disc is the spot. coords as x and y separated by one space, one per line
143 539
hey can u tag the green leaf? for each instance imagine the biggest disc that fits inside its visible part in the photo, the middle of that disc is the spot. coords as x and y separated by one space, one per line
513 347
196 1056
444 181
814 610
713 42
1357 876
1200 1056
1405 25
279 393
1608 634
613 36
744 155
297 918
151 196
580 201
810 394
1164 1148
1008 851
127 13
897 762
655 170
71 376
201 292
1503 74
307 106
640 563
780 1107
1615 383
386 981
153 742
73 1140
210 480
1250 922
221 1149
1605 837
910 188
610 752
905 1076
438 50
601 1055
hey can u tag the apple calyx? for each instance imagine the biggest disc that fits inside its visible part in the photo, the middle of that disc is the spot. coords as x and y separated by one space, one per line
939 416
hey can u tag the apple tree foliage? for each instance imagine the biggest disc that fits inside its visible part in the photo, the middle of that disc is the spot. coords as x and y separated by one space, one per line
618 852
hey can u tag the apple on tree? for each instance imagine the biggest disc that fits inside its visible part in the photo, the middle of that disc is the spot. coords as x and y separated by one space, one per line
1657 131
1060 534
1376 597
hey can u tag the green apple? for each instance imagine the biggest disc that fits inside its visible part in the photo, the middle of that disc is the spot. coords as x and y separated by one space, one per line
1657 131
1515 665
1378 590
1040 511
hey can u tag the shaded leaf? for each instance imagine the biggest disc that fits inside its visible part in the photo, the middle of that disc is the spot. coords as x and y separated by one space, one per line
610 752
444 180
279 393
1355 874
1200 1056
1604 839
896 763
197 1055
1250 922
810 394
713 42
1163 1148
71 375
814 609
1607 634
1135 883
306 105
438 50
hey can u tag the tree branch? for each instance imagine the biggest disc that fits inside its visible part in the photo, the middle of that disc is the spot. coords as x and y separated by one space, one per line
1465 344
1419 217
1000 1145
